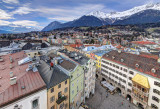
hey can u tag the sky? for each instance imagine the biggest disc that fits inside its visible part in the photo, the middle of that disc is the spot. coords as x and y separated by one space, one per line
39 13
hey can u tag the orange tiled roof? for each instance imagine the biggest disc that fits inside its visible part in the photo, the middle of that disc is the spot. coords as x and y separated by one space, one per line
143 42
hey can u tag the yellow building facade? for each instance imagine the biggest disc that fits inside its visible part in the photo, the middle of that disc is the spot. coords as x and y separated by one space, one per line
58 96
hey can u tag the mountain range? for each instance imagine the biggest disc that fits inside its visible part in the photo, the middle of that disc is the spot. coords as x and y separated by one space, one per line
149 13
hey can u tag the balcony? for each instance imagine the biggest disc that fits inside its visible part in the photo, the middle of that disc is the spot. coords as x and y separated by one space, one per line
140 91
138 99
61 99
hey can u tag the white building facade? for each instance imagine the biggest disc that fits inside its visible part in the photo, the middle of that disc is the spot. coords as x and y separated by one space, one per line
37 100
119 74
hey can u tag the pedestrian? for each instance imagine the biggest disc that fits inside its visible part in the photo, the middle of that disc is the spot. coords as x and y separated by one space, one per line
129 106
122 103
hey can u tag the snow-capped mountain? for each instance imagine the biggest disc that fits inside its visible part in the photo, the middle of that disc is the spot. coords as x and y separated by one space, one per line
125 14
149 13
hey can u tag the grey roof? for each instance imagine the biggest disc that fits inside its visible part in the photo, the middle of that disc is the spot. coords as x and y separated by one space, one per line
76 56
51 77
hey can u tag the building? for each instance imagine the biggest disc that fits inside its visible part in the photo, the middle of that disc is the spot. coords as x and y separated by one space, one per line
57 83
89 67
21 86
136 77
76 74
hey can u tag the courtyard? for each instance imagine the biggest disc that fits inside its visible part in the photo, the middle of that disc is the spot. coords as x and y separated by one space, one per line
100 101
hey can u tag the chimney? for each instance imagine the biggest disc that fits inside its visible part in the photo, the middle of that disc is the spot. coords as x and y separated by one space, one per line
11 60
10 66
158 59
11 74
55 61
13 80
119 51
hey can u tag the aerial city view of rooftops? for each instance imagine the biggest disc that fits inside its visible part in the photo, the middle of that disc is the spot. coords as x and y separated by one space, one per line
79 54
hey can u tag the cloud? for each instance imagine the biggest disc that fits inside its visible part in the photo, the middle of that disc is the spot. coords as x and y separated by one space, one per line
62 18
25 9
4 23
9 7
25 23
69 13
4 15
11 1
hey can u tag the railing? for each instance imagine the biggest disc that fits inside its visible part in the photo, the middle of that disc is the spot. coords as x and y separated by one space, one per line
140 91
61 99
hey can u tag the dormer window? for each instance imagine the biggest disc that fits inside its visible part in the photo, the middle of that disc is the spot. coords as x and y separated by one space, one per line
122 60
137 65
107 55
113 57
153 70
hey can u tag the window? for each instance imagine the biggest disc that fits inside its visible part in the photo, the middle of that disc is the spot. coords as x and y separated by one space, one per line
114 65
110 64
53 107
129 90
120 73
104 70
66 89
130 84
35 103
124 81
157 83
77 89
59 94
155 99
52 90
117 67
124 75
72 91
52 99
121 68
66 82
59 86
132 73
130 78
154 106
156 91
125 70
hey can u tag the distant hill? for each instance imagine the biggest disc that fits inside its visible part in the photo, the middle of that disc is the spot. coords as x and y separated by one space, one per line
82 21
149 13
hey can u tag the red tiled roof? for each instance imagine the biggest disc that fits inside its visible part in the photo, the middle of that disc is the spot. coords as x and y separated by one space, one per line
30 80
143 42
96 45
146 64
75 45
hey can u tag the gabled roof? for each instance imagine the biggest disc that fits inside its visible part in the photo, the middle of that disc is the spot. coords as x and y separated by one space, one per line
30 80
142 80
51 77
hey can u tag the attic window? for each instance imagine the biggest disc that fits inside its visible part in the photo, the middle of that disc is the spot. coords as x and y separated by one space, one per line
137 65
113 57
122 60
153 70
107 55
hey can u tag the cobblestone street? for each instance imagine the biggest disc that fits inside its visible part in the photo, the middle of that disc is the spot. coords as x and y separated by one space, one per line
100 101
